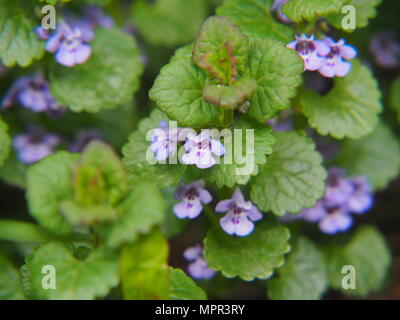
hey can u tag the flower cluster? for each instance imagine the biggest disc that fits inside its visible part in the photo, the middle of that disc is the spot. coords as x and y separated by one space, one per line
344 196
240 214
330 58
32 92
70 40
198 269
386 50
201 149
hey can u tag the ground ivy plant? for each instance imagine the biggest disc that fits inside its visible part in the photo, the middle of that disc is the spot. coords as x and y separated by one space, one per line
186 149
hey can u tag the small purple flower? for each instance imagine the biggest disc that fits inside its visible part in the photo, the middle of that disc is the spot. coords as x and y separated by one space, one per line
83 138
95 16
240 215
192 196
386 50
277 7
335 63
33 93
339 188
336 220
34 146
201 150
164 142
198 269
310 50
361 199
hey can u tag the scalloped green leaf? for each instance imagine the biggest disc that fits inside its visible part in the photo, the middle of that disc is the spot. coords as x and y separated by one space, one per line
143 209
368 253
75 279
178 91
254 256
134 159
108 79
48 183
350 109
144 270
278 72
10 281
376 156
364 10
254 18
302 277
292 179
183 287
19 43
298 10
221 49
5 142
169 22
13 172
394 96
247 157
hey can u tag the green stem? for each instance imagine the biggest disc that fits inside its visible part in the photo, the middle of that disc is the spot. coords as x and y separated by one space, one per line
19 231
211 216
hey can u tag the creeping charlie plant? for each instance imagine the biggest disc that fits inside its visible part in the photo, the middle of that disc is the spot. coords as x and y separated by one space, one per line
170 149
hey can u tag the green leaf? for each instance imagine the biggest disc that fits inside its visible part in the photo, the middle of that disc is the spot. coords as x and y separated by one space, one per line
376 156
230 97
169 22
364 10
106 80
19 43
254 18
183 287
254 256
221 49
350 109
135 156
13 172
143 267
251 152
368 253
394 97
10 281
303 276
143 208
178 91
297 10
277 71
292 179
48 183
75 279
5 142
99 183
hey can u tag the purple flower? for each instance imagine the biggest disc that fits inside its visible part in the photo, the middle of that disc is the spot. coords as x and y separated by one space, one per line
95 16
33 93
34 146
164 141
83 138
198 269
385 49
201 150
240 215
310 50
343 197
277 7
192 196
335 63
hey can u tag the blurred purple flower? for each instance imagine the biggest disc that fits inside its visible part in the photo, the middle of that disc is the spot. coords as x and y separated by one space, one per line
310 50
198 269
385 49
192 196
33 93
240 215
336 220
83 138
35 145
277 7
335 62
201 149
